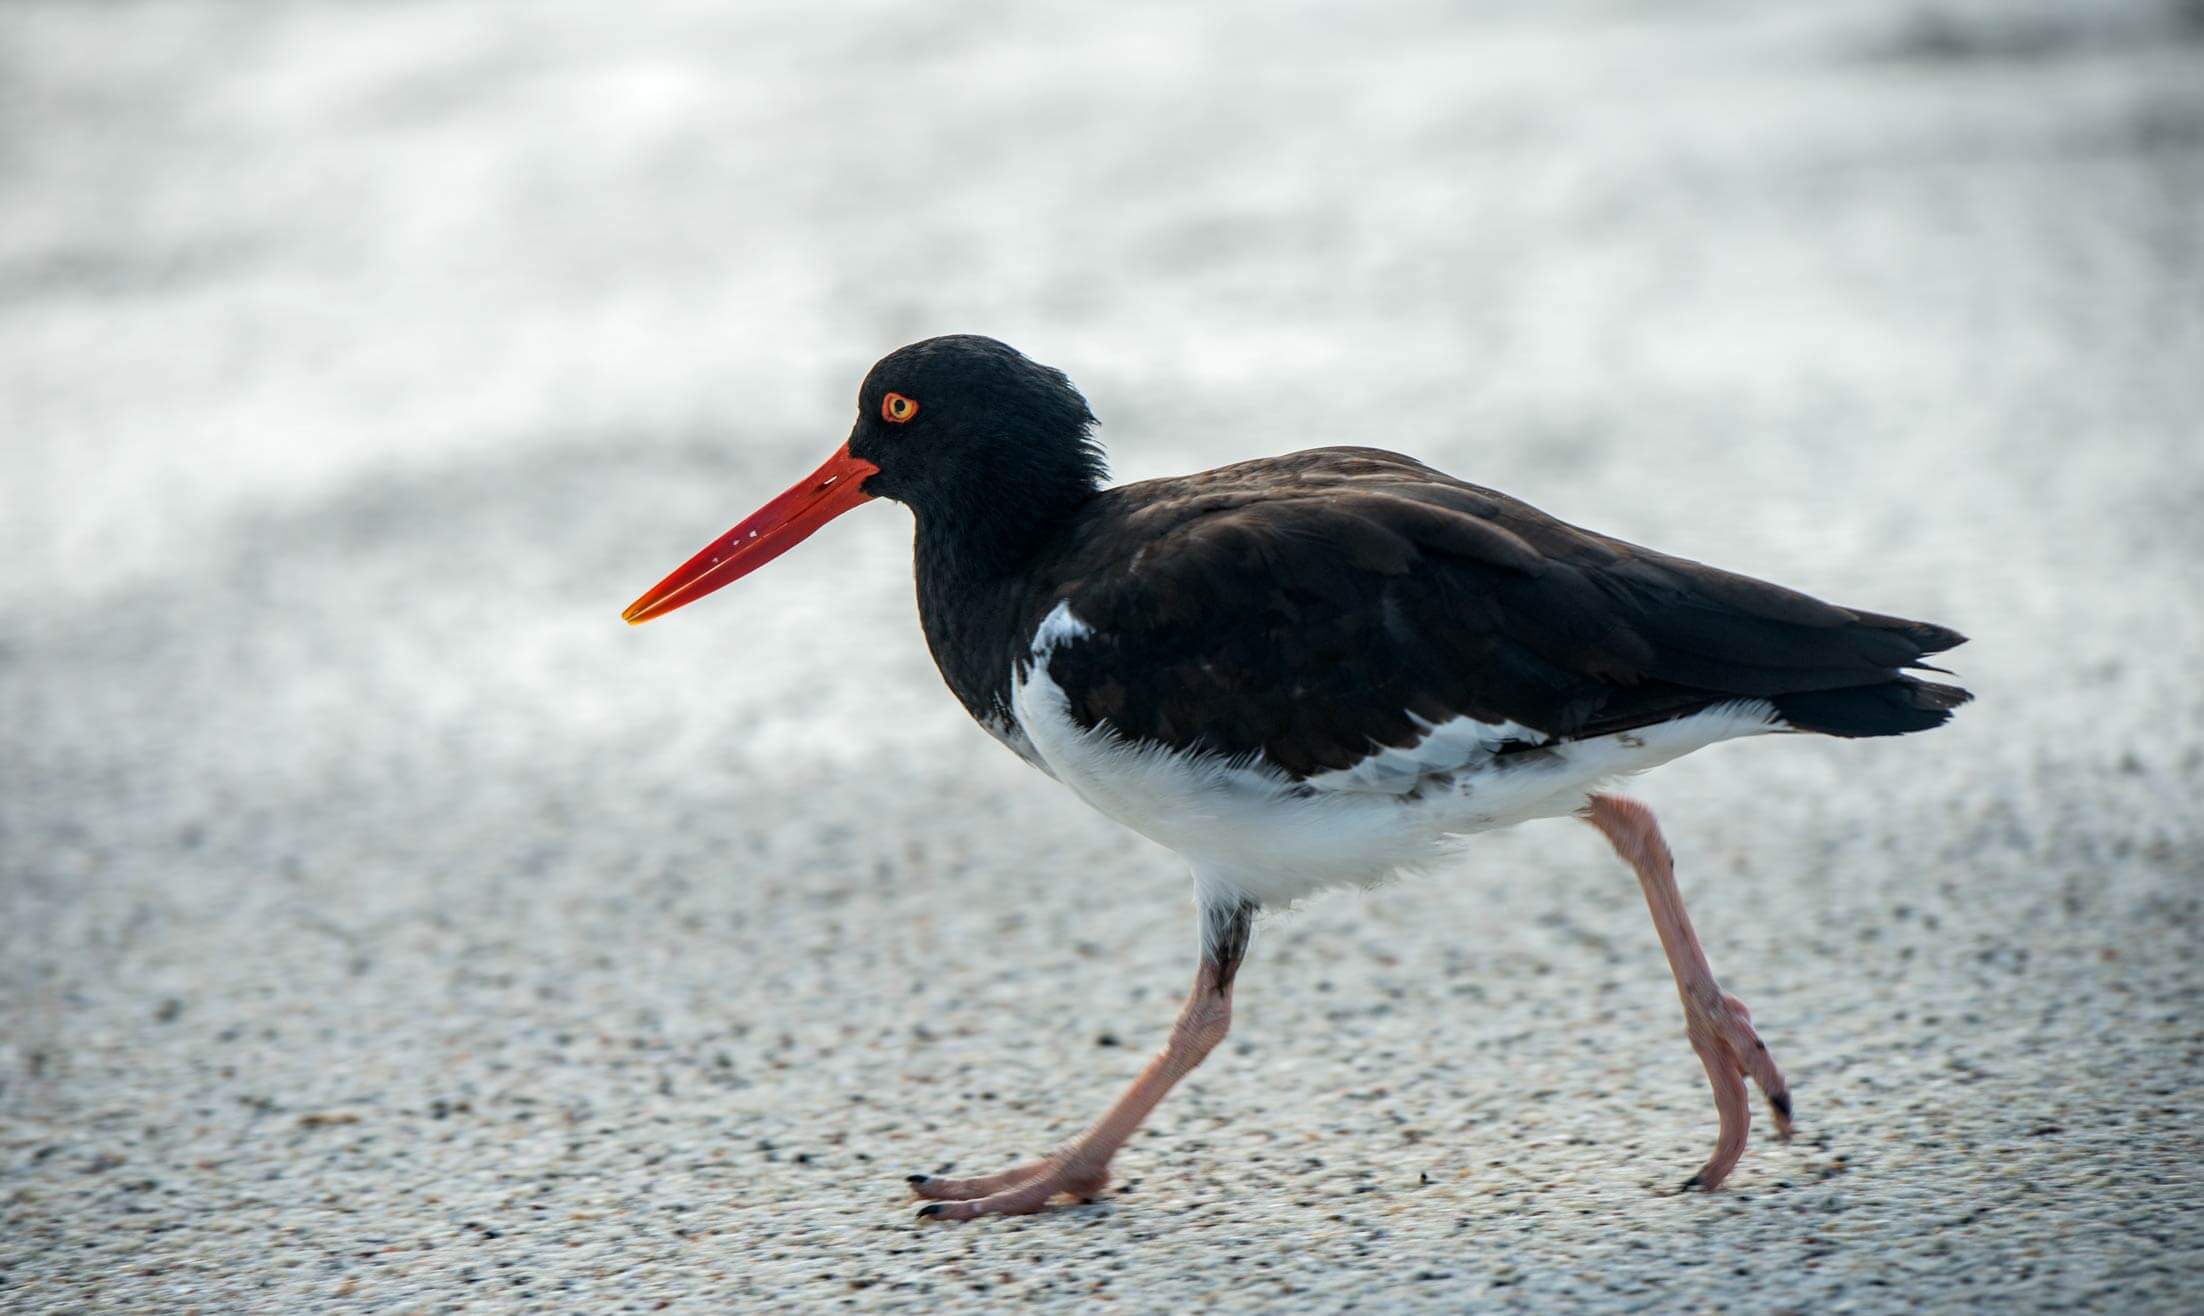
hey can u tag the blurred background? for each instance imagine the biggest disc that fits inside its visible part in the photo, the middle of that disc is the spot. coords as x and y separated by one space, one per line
384 923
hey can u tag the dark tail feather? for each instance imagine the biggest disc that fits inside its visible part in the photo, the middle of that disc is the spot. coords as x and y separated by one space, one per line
1889 708
1931 637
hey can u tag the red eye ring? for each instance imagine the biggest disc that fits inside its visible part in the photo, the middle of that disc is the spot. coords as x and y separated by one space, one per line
896 409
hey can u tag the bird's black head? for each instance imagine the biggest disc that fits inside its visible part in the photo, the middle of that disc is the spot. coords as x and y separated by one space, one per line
960 424
988 449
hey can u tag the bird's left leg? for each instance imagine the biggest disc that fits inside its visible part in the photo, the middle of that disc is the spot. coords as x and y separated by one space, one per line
1081 1167
1717 1023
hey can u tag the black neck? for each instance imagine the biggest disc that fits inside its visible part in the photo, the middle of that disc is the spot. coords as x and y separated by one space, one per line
982 540
980 572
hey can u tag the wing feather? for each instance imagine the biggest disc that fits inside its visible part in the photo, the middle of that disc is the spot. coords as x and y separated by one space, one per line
1314 607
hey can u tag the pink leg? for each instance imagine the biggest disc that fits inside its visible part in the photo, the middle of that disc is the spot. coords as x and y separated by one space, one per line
1719 1026
1081 1167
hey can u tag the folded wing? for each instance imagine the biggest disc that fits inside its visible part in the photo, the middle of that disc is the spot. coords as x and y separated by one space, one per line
1314 607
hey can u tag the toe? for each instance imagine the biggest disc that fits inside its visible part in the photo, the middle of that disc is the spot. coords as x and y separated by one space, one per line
928 1188
1025 1199
1756 1063
936 1189
1779 1102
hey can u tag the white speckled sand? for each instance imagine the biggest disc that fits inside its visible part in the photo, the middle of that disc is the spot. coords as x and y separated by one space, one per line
383 926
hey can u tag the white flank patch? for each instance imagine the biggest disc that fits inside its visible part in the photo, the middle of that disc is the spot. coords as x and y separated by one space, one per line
1445 747
1059 627
1249 830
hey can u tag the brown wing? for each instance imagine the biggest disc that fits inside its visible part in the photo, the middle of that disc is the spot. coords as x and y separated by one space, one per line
1312 605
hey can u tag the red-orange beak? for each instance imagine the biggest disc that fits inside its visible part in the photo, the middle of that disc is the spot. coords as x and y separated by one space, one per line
764 535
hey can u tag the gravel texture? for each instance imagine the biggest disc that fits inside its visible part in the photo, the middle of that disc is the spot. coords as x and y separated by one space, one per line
383 926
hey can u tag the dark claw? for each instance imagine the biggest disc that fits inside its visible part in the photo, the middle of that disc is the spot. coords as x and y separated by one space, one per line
916 1179
929 1212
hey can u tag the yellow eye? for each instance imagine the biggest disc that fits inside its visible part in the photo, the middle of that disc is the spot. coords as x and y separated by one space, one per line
895 408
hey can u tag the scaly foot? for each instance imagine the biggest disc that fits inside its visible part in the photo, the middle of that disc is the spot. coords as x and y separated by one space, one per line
1020 1190
1721 1031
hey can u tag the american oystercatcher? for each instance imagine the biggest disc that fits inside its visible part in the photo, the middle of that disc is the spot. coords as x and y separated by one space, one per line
1316 670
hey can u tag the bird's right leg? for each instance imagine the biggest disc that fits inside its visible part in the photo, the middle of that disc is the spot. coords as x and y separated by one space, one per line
1719 1026
1081 1167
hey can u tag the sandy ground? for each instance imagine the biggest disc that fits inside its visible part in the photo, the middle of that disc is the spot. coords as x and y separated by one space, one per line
383 926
